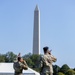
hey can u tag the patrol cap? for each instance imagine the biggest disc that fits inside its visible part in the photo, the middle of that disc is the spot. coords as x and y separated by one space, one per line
45 49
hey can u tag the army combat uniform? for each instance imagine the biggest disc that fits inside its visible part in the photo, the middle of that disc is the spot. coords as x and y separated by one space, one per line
19 66
47 64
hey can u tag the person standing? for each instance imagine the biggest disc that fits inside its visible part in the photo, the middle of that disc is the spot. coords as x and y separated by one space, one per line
19 66
47 59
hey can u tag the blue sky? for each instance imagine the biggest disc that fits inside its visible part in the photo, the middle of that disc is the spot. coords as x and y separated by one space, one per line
57 27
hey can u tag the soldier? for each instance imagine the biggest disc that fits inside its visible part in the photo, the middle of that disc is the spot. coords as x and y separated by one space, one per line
47 59
19 66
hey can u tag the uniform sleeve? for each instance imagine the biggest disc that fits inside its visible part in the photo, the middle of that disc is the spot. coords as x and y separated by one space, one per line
25 66
53 58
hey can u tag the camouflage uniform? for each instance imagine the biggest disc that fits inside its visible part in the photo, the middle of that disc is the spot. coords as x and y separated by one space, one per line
47 64
19 66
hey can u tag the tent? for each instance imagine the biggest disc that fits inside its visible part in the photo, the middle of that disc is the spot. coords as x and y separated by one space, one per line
7 69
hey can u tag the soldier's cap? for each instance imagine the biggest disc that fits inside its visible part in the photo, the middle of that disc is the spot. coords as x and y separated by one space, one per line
45 48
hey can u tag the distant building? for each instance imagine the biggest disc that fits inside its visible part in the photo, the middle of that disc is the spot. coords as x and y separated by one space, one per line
36 32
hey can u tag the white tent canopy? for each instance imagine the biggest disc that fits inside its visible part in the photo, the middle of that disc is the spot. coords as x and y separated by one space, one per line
7 69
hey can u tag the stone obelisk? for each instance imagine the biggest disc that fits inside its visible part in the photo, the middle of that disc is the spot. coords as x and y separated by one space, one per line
36 31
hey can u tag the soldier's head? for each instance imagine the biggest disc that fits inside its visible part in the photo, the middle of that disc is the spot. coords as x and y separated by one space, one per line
20 59
45 49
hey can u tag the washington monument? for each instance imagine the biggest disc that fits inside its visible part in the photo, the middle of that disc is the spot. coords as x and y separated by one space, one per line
36 31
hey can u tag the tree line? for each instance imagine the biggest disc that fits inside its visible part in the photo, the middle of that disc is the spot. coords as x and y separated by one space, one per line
33 62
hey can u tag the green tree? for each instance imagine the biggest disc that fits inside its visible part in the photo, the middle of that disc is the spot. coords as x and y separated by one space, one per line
35 59
60 73
10 56
70 72
64 68
2 58
56 69
74 69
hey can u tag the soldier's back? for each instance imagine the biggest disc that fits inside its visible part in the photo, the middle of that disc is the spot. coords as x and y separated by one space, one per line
18 68
46 68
